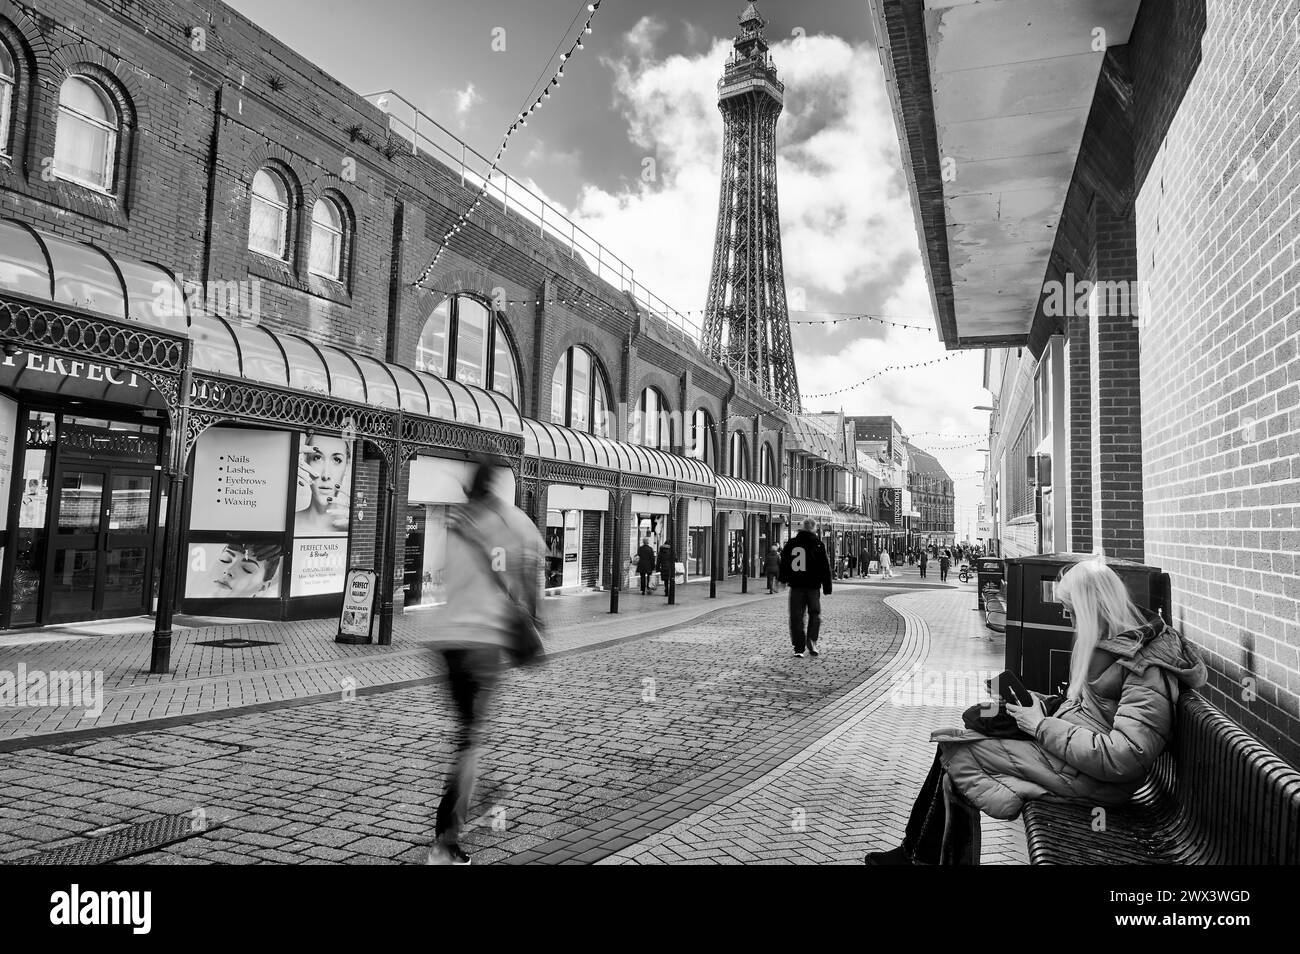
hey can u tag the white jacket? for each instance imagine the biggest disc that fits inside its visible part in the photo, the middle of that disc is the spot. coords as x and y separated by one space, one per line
477 612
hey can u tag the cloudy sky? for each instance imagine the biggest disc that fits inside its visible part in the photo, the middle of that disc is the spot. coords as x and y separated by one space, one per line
644 88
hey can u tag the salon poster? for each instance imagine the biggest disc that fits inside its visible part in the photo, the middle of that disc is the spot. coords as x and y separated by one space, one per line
230 571
323 505
240 480
319 566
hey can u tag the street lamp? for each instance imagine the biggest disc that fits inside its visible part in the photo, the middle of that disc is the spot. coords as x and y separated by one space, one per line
983 407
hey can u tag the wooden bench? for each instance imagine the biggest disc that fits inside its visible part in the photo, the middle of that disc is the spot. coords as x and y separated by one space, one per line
1216 796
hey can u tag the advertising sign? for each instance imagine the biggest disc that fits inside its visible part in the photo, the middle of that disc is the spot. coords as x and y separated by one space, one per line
358 603
323 504
413 571
888 506
241 479
228 571
319 566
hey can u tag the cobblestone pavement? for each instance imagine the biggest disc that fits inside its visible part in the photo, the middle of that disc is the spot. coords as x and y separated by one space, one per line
296 660
616 744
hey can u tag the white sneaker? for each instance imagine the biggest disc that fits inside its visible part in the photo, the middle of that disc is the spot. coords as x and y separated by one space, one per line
812 649
441 854
800 655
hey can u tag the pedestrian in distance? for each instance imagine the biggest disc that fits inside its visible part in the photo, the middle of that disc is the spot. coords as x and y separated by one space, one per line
667 564
772 568
924 561
494 576
645 563
865 561
1094 743
853 565
945 561
806 569
886 566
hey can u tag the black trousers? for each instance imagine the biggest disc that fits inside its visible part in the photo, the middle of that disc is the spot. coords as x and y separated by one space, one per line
805 600
942 828
471 676
645 580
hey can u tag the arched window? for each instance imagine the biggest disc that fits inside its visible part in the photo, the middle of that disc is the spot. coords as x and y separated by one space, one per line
655 428
767 468
702 437
579 393
739 456
85 135
463 340
268 216
8 80
328 239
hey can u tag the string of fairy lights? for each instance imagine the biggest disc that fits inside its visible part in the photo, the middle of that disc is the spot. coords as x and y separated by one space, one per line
588 301
893 367
521 121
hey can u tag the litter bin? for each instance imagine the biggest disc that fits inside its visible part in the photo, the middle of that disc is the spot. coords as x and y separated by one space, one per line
1039 634
987 570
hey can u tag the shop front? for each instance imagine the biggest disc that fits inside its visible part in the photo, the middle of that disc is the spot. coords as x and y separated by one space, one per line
647 495
699 551
151 453
756 516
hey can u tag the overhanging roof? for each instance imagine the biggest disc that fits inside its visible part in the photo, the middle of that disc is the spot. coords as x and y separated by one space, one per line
554 442
996 94
745 495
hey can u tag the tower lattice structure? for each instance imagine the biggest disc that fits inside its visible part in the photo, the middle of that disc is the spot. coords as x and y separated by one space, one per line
746 320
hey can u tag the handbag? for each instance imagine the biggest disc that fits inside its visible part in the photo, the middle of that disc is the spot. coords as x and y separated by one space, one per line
1002 725
525 646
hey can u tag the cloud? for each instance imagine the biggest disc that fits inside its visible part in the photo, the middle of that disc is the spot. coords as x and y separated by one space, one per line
466 99
848 234
643 37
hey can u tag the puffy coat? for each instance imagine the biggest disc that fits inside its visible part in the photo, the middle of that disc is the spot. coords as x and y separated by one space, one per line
772 565
1099 748
645 559
493 537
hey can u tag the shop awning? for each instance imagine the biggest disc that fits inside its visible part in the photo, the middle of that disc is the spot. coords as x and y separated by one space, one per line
555 442
41 266
880 527
850 520
734 494
800 508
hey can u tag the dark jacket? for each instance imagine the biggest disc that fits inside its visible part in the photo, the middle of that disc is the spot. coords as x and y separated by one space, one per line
804 564
772 565
645 559
925 558
666 561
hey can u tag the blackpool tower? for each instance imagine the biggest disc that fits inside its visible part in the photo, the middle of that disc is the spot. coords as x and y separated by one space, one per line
746 323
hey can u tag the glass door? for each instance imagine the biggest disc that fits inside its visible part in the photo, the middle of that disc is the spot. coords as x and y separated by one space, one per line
101 544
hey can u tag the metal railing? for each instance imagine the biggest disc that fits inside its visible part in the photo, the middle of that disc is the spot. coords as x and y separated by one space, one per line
426 135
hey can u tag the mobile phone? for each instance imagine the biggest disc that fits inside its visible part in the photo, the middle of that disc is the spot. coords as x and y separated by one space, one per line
1010 689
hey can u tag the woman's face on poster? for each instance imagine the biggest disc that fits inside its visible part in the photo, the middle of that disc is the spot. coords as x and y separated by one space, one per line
238 573
325 468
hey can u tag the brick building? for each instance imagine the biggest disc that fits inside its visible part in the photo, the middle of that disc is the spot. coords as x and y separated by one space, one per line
1106 195
934 499
225 352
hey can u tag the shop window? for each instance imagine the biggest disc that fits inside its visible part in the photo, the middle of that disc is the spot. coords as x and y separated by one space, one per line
268 217
739 457
767 473
86 134
579 393
8 84
655 428
462 339
702 437
328 239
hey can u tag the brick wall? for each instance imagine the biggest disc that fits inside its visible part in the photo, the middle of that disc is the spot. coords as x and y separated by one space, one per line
1218 214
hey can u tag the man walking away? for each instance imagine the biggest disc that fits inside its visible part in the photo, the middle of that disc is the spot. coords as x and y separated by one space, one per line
494 570
645 563
667 565
925 559
806 569
772 567
865 561
945 561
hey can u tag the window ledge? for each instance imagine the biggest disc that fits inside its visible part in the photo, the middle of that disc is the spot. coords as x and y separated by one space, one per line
84 200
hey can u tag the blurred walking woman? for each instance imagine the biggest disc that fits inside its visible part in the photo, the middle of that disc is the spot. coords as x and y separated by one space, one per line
1117 716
